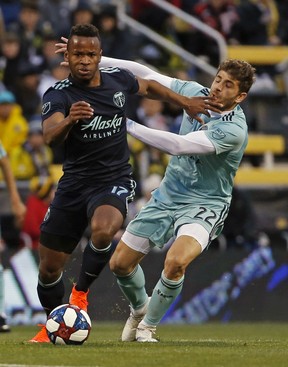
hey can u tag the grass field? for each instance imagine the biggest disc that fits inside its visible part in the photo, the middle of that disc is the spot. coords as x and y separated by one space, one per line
208 345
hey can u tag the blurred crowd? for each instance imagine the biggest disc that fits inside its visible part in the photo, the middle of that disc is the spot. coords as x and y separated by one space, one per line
29 30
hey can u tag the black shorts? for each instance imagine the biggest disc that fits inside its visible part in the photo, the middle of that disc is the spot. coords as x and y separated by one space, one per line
73 206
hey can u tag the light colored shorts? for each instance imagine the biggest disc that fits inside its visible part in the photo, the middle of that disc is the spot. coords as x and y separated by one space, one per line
157 223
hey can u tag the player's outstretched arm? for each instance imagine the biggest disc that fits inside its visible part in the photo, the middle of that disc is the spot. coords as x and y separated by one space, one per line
193 143
194 106
137 69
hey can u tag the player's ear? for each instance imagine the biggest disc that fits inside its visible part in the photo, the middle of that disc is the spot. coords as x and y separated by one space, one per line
241 97
66 56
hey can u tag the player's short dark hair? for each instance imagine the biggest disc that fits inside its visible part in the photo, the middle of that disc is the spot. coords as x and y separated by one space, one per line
84 30
239 70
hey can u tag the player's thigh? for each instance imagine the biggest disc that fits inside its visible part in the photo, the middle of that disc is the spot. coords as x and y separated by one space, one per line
154 223
203 222
182 251
117 195
62 228
106 219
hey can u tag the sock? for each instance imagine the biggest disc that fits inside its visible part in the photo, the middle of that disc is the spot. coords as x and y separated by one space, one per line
1 290
164 294
94 261
51 295
133 287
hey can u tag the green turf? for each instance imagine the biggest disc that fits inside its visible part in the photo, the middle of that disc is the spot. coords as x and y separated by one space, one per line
208 345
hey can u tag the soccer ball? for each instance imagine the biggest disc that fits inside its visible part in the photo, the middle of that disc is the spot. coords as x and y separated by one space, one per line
68 324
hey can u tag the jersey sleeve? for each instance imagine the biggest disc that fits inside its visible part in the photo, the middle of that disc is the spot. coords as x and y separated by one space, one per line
226 136
53 101
130 81
186 88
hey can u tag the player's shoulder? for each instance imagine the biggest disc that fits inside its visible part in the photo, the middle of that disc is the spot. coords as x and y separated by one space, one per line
189 88
110 70
233 122
60 85
115 71
236 116
119 77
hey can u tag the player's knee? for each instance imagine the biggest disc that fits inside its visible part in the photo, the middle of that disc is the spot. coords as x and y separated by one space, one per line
102 235
48 275
118 267
174 269
115 266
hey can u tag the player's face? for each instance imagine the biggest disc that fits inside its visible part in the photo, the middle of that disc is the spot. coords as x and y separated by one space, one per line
226 90
83 55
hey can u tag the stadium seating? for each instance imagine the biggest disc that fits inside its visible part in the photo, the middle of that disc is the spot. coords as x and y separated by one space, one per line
269 174
259 55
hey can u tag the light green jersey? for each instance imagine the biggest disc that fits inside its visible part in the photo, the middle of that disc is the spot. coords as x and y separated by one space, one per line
205 178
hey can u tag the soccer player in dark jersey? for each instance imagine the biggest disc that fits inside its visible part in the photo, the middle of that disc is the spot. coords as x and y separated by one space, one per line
86 112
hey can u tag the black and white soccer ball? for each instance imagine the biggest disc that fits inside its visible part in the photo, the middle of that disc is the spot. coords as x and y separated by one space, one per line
68 324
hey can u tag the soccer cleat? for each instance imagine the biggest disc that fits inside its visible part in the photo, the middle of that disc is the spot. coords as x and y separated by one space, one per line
79 298
41 336
129 331
4 327
144 333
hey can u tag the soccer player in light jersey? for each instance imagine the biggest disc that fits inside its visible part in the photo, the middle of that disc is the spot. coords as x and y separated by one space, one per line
87 112
19 210
193 199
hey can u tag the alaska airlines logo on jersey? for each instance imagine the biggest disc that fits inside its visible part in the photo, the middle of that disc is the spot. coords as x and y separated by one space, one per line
98 124
95 128
46 108
218 134
119 99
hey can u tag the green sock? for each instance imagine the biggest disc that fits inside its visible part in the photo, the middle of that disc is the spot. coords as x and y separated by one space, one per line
133 287
1 289
164 294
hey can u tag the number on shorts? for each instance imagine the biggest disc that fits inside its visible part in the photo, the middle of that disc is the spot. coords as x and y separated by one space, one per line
119 190
203 214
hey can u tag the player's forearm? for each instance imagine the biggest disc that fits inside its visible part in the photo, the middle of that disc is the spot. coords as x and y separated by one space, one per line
137 69
57 132
193 143
155 90
10 181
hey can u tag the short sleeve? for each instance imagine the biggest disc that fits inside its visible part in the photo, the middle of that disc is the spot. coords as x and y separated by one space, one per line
226 137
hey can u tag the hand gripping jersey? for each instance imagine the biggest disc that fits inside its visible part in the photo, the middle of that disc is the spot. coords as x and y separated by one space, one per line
96 149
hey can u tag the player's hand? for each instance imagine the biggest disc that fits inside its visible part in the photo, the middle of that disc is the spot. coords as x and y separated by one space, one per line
80 110
61 48
202 105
